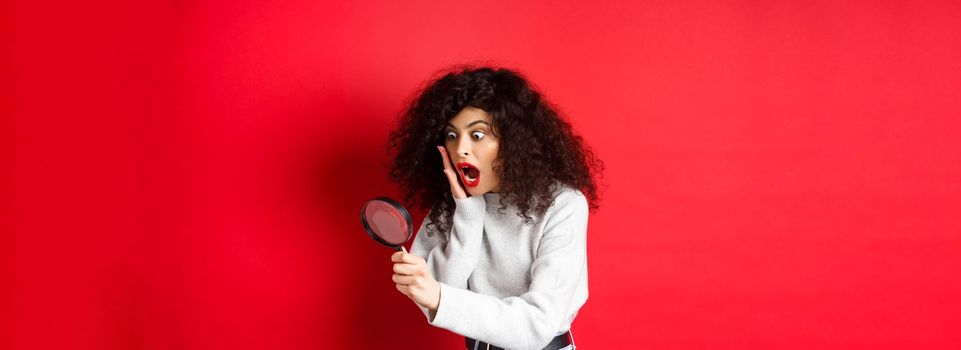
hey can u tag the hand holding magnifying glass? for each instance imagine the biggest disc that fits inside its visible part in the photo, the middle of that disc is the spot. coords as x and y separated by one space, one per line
388 223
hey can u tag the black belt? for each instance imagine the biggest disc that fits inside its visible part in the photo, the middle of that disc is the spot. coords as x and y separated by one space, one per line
559 342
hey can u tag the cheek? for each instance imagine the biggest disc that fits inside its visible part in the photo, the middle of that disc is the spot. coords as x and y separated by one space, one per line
491 150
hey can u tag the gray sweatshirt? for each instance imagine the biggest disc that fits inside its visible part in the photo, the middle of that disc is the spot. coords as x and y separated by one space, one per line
511 285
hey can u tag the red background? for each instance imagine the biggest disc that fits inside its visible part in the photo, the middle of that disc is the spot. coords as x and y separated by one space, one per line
188 175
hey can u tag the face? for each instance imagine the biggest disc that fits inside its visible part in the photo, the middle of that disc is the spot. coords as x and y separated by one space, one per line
473 147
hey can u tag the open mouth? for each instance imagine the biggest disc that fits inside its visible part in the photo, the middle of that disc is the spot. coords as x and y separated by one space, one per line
469 174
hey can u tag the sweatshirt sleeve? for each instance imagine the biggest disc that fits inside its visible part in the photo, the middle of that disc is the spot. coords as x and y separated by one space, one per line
452 258
531 320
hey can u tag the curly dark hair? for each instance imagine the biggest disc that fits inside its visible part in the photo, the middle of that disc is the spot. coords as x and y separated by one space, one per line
538 148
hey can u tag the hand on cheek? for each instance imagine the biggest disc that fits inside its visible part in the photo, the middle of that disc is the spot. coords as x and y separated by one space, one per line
414 280
456 189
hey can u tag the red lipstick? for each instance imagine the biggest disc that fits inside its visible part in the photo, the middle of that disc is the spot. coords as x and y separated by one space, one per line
469 174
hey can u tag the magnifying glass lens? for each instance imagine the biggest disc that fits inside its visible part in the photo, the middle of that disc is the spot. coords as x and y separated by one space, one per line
386 222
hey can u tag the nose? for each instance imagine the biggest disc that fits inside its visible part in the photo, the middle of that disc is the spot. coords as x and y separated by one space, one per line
463 146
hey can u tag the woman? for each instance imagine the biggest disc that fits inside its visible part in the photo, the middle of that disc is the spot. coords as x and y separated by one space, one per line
501 256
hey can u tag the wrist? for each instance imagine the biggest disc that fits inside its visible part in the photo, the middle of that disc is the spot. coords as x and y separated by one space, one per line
434 301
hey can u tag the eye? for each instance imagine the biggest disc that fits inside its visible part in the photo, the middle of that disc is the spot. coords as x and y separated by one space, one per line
451 135
477 135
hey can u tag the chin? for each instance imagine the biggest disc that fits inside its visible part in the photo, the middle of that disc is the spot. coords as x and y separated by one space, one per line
475 191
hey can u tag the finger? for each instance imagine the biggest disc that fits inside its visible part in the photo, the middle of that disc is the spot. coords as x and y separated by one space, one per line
448 169
402 257
407 280
405 257
407 269
403 288
455 187
445 158
413 259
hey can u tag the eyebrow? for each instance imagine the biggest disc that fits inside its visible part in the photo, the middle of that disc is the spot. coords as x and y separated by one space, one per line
471 124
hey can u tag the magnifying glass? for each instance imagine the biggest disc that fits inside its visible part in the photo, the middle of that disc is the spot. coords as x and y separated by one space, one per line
387 222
